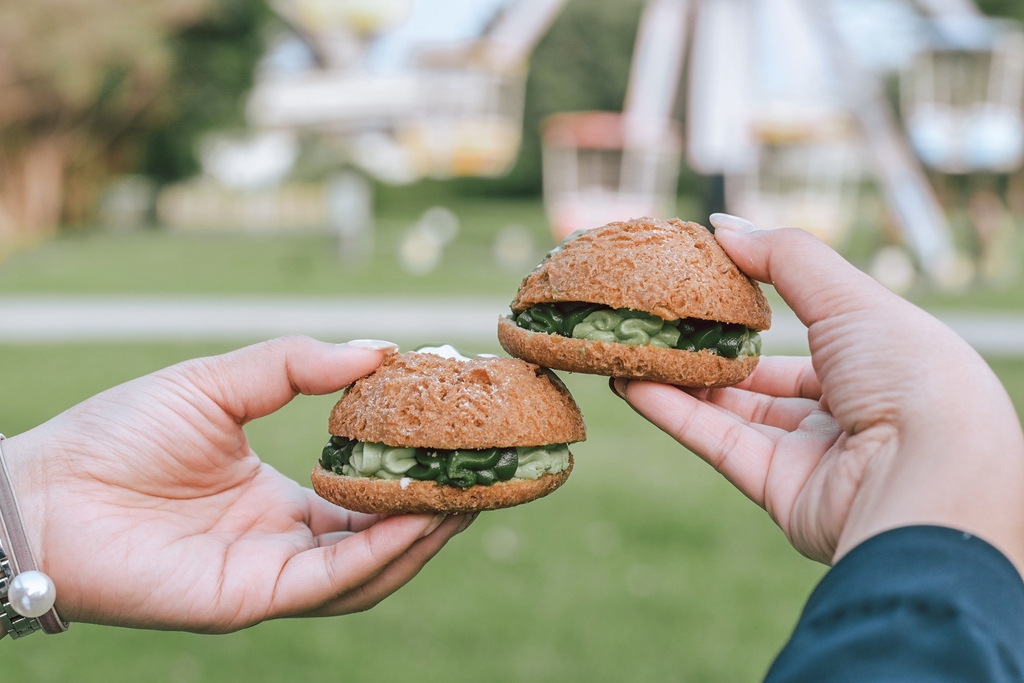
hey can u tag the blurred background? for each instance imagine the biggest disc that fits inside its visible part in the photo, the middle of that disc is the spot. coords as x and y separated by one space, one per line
180 177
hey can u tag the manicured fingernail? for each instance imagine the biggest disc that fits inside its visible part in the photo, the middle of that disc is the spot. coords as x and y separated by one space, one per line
372 344
728 222
618 386
434 523
470 518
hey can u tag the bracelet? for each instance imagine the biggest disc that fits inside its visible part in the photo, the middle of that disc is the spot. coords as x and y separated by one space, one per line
27 595
17 625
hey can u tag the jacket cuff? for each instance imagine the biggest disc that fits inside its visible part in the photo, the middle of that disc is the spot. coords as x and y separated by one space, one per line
913 603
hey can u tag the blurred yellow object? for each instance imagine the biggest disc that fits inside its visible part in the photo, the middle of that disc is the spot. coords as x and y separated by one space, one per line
782 123
200 205
443 148
363 17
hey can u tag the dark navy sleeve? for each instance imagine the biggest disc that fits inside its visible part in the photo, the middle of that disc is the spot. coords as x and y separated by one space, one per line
913 604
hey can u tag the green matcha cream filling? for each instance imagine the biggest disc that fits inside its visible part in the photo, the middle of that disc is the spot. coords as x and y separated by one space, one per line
597 322
462 468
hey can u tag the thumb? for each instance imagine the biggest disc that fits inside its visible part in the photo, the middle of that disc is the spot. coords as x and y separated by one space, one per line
257 380
813 279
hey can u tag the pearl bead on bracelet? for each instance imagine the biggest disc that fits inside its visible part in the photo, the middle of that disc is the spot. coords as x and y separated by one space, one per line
32 593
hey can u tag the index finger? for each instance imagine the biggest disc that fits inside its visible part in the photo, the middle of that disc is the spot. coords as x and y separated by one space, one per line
814 280
784 377
722 439
317 578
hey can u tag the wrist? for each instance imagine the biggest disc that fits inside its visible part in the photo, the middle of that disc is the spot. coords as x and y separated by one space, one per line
27 595
26 479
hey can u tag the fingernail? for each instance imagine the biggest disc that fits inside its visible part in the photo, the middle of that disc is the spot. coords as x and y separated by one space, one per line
470 518
434 523
618 386
728 222
371 344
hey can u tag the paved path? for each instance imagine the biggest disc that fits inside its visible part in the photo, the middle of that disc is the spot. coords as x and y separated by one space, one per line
159 318
43 318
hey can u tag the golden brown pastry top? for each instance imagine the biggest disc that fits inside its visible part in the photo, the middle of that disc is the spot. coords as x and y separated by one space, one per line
671 269
426 401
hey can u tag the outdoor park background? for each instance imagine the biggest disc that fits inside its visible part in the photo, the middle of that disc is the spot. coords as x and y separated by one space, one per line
654 571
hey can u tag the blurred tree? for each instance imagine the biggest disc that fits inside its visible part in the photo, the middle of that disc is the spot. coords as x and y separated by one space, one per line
1003 8
84 84
213 67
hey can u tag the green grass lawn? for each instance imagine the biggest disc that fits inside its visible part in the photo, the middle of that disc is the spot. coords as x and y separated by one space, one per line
645 566
90 260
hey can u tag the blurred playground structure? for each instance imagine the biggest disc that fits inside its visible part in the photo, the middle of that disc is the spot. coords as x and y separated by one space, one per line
796 110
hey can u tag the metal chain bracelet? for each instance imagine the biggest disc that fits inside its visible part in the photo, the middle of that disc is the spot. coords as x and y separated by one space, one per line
17 625
27 595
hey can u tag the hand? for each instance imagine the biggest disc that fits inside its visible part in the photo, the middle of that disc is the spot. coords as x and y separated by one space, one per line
147 507
893 420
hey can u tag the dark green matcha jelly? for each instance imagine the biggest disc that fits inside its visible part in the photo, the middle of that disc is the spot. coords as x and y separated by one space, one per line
598 322
462 468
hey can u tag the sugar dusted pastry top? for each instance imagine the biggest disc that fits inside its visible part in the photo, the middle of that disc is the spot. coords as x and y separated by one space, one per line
424 400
